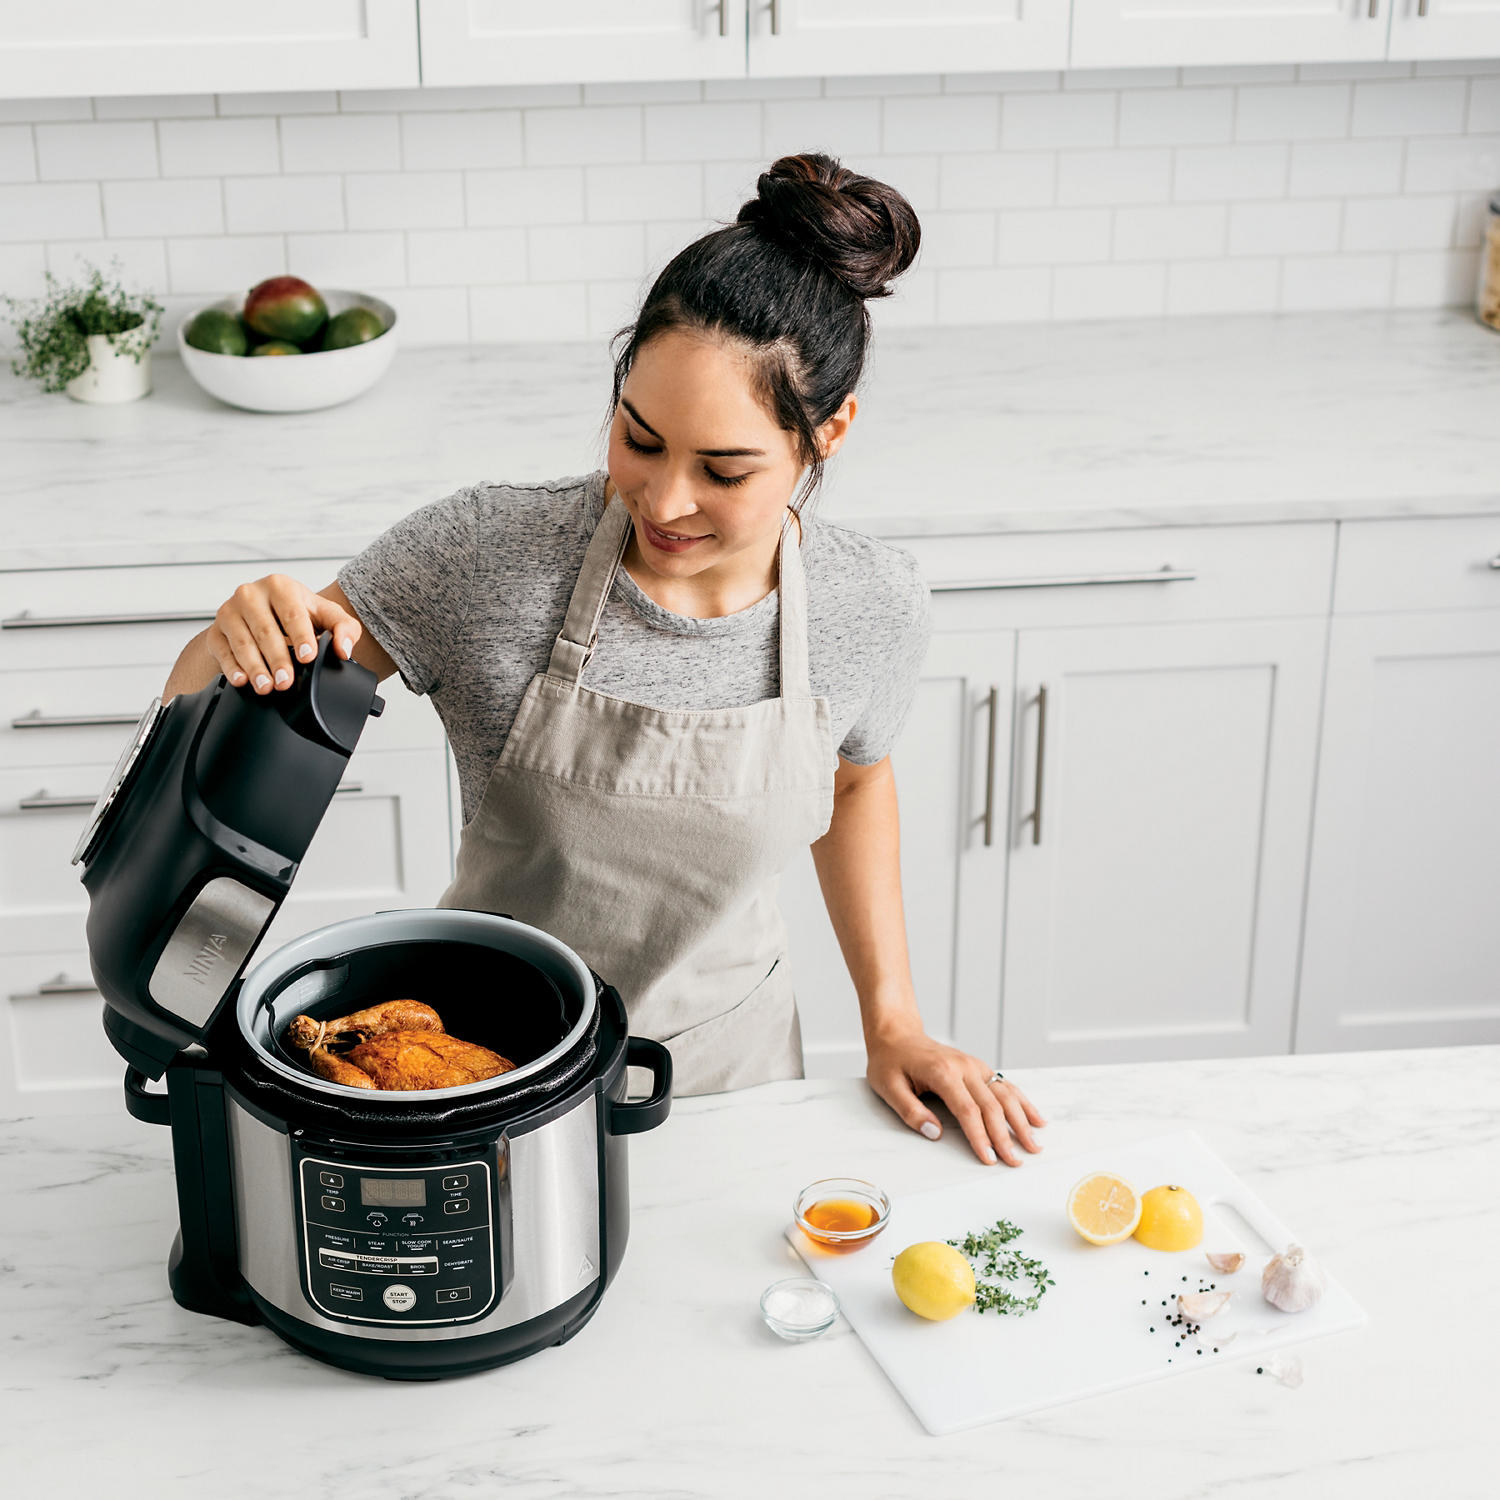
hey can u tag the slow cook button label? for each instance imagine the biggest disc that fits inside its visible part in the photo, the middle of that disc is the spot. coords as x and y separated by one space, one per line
416 1247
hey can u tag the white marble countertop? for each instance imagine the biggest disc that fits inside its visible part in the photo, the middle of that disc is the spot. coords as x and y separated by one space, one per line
1139 422
1384 1162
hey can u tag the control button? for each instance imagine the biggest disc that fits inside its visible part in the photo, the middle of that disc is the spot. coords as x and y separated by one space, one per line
369 1245
416 1247
330 1180
425 1267
376 1265
412 1221
456 1183
345 1293
399 1298
333 1261
456 1206
452 1294
333 1205
336 1241
376 1220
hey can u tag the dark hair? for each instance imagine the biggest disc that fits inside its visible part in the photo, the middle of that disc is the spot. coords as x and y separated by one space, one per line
789 280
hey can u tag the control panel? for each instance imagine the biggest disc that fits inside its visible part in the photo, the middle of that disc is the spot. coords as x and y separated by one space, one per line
398 1244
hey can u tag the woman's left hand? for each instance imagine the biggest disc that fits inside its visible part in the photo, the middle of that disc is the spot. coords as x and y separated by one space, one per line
908 1062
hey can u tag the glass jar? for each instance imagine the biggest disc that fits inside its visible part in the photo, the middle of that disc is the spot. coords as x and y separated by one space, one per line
1488 302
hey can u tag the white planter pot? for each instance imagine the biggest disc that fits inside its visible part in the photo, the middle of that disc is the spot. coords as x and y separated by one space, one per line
111 376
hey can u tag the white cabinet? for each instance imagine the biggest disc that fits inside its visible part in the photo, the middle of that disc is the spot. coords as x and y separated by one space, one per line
1444 28
579 41
952 771
795 38
81 47
1160 809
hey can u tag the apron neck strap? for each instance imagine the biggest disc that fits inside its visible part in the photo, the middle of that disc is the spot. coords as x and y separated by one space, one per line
579 635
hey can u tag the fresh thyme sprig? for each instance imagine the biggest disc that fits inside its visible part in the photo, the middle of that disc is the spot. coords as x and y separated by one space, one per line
1003 1265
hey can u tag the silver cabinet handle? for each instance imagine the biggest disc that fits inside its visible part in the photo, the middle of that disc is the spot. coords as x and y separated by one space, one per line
42 801
1421 7
723 9
62 985
989 770
1374 9
1034 817
775 8
36 719
1167 574
348 786
28 621
1495 562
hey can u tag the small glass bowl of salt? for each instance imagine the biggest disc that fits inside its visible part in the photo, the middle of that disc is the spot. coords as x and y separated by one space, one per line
799 1307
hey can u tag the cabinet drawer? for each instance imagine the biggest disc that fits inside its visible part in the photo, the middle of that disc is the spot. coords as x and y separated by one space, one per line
134 614
1141 576
40 709
1421 564
54 1054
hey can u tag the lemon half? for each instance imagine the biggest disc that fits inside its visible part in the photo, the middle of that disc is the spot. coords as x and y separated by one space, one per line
1104 1208
1170 1219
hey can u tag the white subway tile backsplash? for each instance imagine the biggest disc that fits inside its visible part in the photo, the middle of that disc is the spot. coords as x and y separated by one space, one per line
963 122
1299 112
466 138
404 200
669 190
1284 228
353 261
524 195
465 257
544 211
1400 223
340 143
1336 281
50 211
598 133
1109 291
261 205
162 206
1114 176
1195 287
1042 121
1324 169
1176 117
142 263
219 148
1052 236
1170 232
223 264
22 269
17 154
1225 174
94 151
702 132
1411 106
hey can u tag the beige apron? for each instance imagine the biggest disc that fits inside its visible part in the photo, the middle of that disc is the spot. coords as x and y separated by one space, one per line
651 840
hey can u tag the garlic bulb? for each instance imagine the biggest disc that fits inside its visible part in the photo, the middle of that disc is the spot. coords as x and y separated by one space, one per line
1227 1262
1293 1280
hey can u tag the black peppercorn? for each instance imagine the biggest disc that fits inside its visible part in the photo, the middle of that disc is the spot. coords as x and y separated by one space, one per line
1152 1328
1258 1370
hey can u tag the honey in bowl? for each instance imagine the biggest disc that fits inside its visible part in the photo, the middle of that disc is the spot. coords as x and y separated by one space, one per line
838 1216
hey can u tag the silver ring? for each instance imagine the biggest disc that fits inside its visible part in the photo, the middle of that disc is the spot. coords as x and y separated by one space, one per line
995 1077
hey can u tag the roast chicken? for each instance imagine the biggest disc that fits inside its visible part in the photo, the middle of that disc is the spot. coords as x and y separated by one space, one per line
398 1045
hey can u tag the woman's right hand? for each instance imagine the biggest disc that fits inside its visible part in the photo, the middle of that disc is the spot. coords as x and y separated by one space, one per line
262 625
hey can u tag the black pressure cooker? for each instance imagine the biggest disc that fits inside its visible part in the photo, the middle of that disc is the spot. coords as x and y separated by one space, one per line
413 1234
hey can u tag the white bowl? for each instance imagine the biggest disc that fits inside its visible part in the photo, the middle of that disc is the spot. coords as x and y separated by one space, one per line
293 382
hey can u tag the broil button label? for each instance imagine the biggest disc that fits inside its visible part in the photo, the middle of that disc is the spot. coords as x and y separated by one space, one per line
399 1298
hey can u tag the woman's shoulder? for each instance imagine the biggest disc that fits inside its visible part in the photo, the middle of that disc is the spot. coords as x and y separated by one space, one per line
852 567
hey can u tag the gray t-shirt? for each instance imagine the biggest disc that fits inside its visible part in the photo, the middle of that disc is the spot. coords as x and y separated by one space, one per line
467 593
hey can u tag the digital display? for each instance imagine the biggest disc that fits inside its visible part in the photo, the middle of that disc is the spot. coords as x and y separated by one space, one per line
393 1192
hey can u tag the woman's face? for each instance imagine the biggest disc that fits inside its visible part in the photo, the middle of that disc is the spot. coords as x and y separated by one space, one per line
704 471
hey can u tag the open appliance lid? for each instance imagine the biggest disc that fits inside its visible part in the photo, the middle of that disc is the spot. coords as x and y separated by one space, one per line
197 838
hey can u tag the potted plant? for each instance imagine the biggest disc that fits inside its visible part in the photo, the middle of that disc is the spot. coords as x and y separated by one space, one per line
91 340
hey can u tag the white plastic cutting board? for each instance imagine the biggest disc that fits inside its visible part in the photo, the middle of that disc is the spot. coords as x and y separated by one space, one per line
1089 1333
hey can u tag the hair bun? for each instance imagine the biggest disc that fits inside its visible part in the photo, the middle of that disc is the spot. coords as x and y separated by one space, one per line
861 230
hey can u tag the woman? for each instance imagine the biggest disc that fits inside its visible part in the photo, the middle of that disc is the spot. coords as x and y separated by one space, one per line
644 672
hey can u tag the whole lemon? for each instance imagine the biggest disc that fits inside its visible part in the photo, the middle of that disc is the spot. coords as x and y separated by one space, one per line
934 1280
1170 1219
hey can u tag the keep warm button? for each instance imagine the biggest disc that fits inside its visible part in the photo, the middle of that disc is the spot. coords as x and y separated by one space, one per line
453 1294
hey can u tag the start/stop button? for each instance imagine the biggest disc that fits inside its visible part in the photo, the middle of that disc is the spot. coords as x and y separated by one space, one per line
399 1298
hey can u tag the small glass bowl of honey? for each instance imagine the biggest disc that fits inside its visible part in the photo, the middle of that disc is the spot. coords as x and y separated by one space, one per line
841 1213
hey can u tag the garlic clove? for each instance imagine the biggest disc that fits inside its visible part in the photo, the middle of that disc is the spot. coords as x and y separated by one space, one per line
1287 1370
1293 1281
1200 1305
1227 1262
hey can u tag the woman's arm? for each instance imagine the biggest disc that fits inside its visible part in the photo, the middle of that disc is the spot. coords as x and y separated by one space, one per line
859 869
259 627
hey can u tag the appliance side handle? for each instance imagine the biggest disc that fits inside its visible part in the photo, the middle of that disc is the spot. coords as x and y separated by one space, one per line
633 1116
154 1109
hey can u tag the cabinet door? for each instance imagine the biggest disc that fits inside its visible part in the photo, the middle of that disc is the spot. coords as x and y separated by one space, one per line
1402 945
952 868
78 47
797 38
1150 33
1162 795
580 41
1445 28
